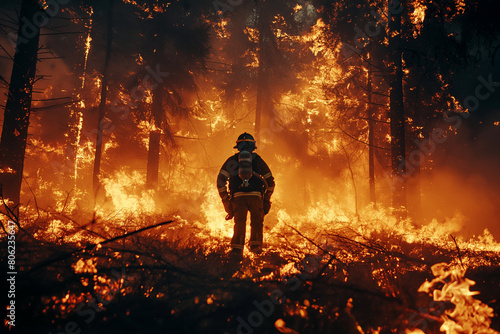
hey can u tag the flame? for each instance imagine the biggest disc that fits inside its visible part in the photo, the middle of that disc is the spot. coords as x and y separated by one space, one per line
469 314
418 15
85 266
139 60
126 192
98 82
252 33
321 208
314 38
87 51
7 170
460 6
221 29
214 214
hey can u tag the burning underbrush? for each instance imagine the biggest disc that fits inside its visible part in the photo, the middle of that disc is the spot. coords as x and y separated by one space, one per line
321 272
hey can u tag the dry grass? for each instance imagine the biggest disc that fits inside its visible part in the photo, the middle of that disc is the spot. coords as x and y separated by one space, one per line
169 279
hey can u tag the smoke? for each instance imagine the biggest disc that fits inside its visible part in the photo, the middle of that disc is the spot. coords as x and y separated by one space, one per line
313 175
465 180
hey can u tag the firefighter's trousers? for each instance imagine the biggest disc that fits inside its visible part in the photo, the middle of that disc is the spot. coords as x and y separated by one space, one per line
241 206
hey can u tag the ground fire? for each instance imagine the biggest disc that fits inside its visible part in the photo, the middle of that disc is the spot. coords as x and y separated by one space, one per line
242 166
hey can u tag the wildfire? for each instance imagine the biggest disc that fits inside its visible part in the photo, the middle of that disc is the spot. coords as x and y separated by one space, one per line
469 314
127 194
87 46
418 14
314 37
98 82
253 34
460 6
297 8
214 214
221 28
315 128
85 266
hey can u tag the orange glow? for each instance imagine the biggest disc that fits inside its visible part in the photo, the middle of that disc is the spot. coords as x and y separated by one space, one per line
418 14
469 315
318 110
87 51
82 266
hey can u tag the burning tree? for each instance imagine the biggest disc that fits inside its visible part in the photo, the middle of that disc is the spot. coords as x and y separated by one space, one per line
18 106
262 44
412 60
179 49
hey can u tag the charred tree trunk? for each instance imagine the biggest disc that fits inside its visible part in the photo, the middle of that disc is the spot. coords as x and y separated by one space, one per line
264 105
102 104
157 115
261 91
18 106
155 139
153 159
75 122
414 175
397 114
72 142
371 141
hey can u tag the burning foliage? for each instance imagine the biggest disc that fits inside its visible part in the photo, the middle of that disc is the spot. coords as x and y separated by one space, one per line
346 275
379 126
469 315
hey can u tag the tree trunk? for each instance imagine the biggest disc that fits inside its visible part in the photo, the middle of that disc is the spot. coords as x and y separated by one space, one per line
397 115
72 143
263 111
18 106
155 139
102 104
371 141
261 83
414 177
153 159
75 122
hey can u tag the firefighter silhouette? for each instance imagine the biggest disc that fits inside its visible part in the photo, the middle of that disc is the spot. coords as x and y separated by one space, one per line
251 185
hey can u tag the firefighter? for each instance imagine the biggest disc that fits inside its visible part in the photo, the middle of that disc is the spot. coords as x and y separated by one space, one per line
251 185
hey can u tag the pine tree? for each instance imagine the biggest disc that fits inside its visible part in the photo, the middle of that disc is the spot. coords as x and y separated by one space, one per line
18 106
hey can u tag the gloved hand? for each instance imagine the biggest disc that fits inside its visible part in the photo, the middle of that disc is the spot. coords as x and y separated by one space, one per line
229 209
267 206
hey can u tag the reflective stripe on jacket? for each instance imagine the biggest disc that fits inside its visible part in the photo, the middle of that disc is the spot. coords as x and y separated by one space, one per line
229 172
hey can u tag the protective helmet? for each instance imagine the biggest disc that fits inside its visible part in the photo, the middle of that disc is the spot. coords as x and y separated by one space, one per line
245 142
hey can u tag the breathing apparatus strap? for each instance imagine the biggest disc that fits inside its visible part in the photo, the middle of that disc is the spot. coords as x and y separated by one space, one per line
266 186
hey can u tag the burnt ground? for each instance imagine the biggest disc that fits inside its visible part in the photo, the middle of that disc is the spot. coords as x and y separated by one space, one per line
142 283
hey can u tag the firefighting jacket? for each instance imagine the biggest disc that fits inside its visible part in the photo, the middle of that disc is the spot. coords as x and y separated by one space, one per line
256 185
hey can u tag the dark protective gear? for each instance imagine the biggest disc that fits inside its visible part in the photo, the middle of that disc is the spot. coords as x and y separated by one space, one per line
267 206
245 137
246 146
245 142
256 249
245 171
242 205
267 202
229 209
251 185
236 255
262 181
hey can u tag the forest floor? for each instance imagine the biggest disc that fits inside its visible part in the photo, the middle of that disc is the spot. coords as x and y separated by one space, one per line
169 278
